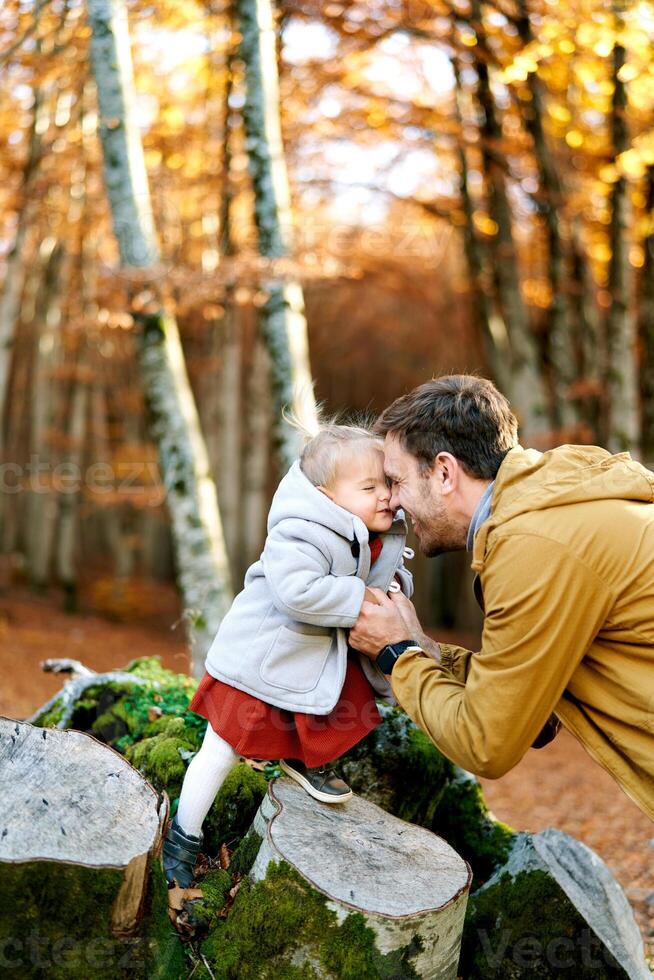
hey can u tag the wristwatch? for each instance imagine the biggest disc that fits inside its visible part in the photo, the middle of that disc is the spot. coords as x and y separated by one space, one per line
389 654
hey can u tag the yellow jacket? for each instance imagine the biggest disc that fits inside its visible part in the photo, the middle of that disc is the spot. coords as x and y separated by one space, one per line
565 573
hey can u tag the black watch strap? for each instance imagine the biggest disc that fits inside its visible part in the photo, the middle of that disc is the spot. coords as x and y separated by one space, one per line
387 657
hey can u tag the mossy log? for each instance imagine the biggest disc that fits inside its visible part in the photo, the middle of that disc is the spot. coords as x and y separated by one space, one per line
518 925
80 832
553 909
408 885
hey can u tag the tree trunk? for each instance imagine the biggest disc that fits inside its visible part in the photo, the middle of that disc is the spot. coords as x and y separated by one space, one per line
79 870
526 379
230 409
15 270
585 338
69 496
620 369
408 885
282 317
202 562
646 332
256 461
557 321
14 502
496 346
42 499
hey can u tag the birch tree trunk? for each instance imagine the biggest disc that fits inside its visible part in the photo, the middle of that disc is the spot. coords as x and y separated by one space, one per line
620 368
256 460
202 563
282 317
527 389
230 388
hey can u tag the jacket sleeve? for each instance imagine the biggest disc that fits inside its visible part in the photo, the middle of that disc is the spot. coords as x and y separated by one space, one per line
456 660
544 607
297 565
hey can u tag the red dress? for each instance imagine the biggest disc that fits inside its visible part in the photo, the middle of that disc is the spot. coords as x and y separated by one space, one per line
258 730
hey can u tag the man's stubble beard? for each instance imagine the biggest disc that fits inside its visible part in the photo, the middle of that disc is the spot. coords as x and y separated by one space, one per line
439 534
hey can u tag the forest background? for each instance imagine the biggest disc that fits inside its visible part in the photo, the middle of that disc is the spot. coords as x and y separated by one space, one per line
464 187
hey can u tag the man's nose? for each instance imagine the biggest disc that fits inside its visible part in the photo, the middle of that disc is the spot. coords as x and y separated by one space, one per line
394 502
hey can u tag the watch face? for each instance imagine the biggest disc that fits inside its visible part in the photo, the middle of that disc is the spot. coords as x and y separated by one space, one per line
386 659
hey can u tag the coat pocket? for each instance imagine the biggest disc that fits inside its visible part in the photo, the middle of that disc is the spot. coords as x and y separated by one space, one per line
295 661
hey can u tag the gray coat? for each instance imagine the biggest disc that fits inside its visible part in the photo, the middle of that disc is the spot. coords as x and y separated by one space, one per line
284 639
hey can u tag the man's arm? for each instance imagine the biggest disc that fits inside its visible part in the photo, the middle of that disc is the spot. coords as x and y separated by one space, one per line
544 607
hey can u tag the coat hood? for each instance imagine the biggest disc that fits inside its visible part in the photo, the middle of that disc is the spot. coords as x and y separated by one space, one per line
296 497
529 481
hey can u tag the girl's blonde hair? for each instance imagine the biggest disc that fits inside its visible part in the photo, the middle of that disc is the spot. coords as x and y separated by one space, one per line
327 441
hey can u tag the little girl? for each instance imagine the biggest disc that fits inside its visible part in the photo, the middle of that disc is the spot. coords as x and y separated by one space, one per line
280 682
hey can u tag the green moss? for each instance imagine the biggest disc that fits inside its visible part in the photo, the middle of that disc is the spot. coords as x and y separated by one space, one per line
151 669
51 717
165 957
526 927
463 820
245 854
98 700
399 768
54 922
234 807
114 723
215 886
283 915
158 759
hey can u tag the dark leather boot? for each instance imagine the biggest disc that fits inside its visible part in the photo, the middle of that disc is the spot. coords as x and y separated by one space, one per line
180 853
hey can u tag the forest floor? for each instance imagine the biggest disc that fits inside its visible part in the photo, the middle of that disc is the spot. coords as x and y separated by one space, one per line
558 786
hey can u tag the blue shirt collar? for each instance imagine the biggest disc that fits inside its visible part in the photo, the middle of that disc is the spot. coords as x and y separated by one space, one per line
481 514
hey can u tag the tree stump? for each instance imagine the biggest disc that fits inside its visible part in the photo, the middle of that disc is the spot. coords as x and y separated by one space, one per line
409 885
552 909
79 829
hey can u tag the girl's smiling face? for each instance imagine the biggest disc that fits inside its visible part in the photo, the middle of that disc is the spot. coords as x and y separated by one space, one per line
360 486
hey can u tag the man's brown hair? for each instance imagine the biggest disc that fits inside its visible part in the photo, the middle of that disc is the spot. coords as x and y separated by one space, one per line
458 414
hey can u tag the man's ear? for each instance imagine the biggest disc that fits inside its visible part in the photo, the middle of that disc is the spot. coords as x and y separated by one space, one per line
326 491
448 469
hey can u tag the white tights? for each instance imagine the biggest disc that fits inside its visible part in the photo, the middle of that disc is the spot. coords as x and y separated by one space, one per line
205 775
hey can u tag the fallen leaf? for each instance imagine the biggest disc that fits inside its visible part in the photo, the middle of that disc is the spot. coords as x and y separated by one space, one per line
234 890
177 897
253 764
225 857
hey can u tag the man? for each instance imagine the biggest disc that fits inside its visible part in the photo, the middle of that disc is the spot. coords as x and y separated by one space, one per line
563 546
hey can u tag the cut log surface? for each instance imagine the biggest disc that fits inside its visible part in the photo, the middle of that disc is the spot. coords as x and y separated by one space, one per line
72 799
69 799
403 879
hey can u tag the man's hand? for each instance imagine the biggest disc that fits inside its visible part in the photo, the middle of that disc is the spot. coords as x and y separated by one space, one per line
378 625
407 611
